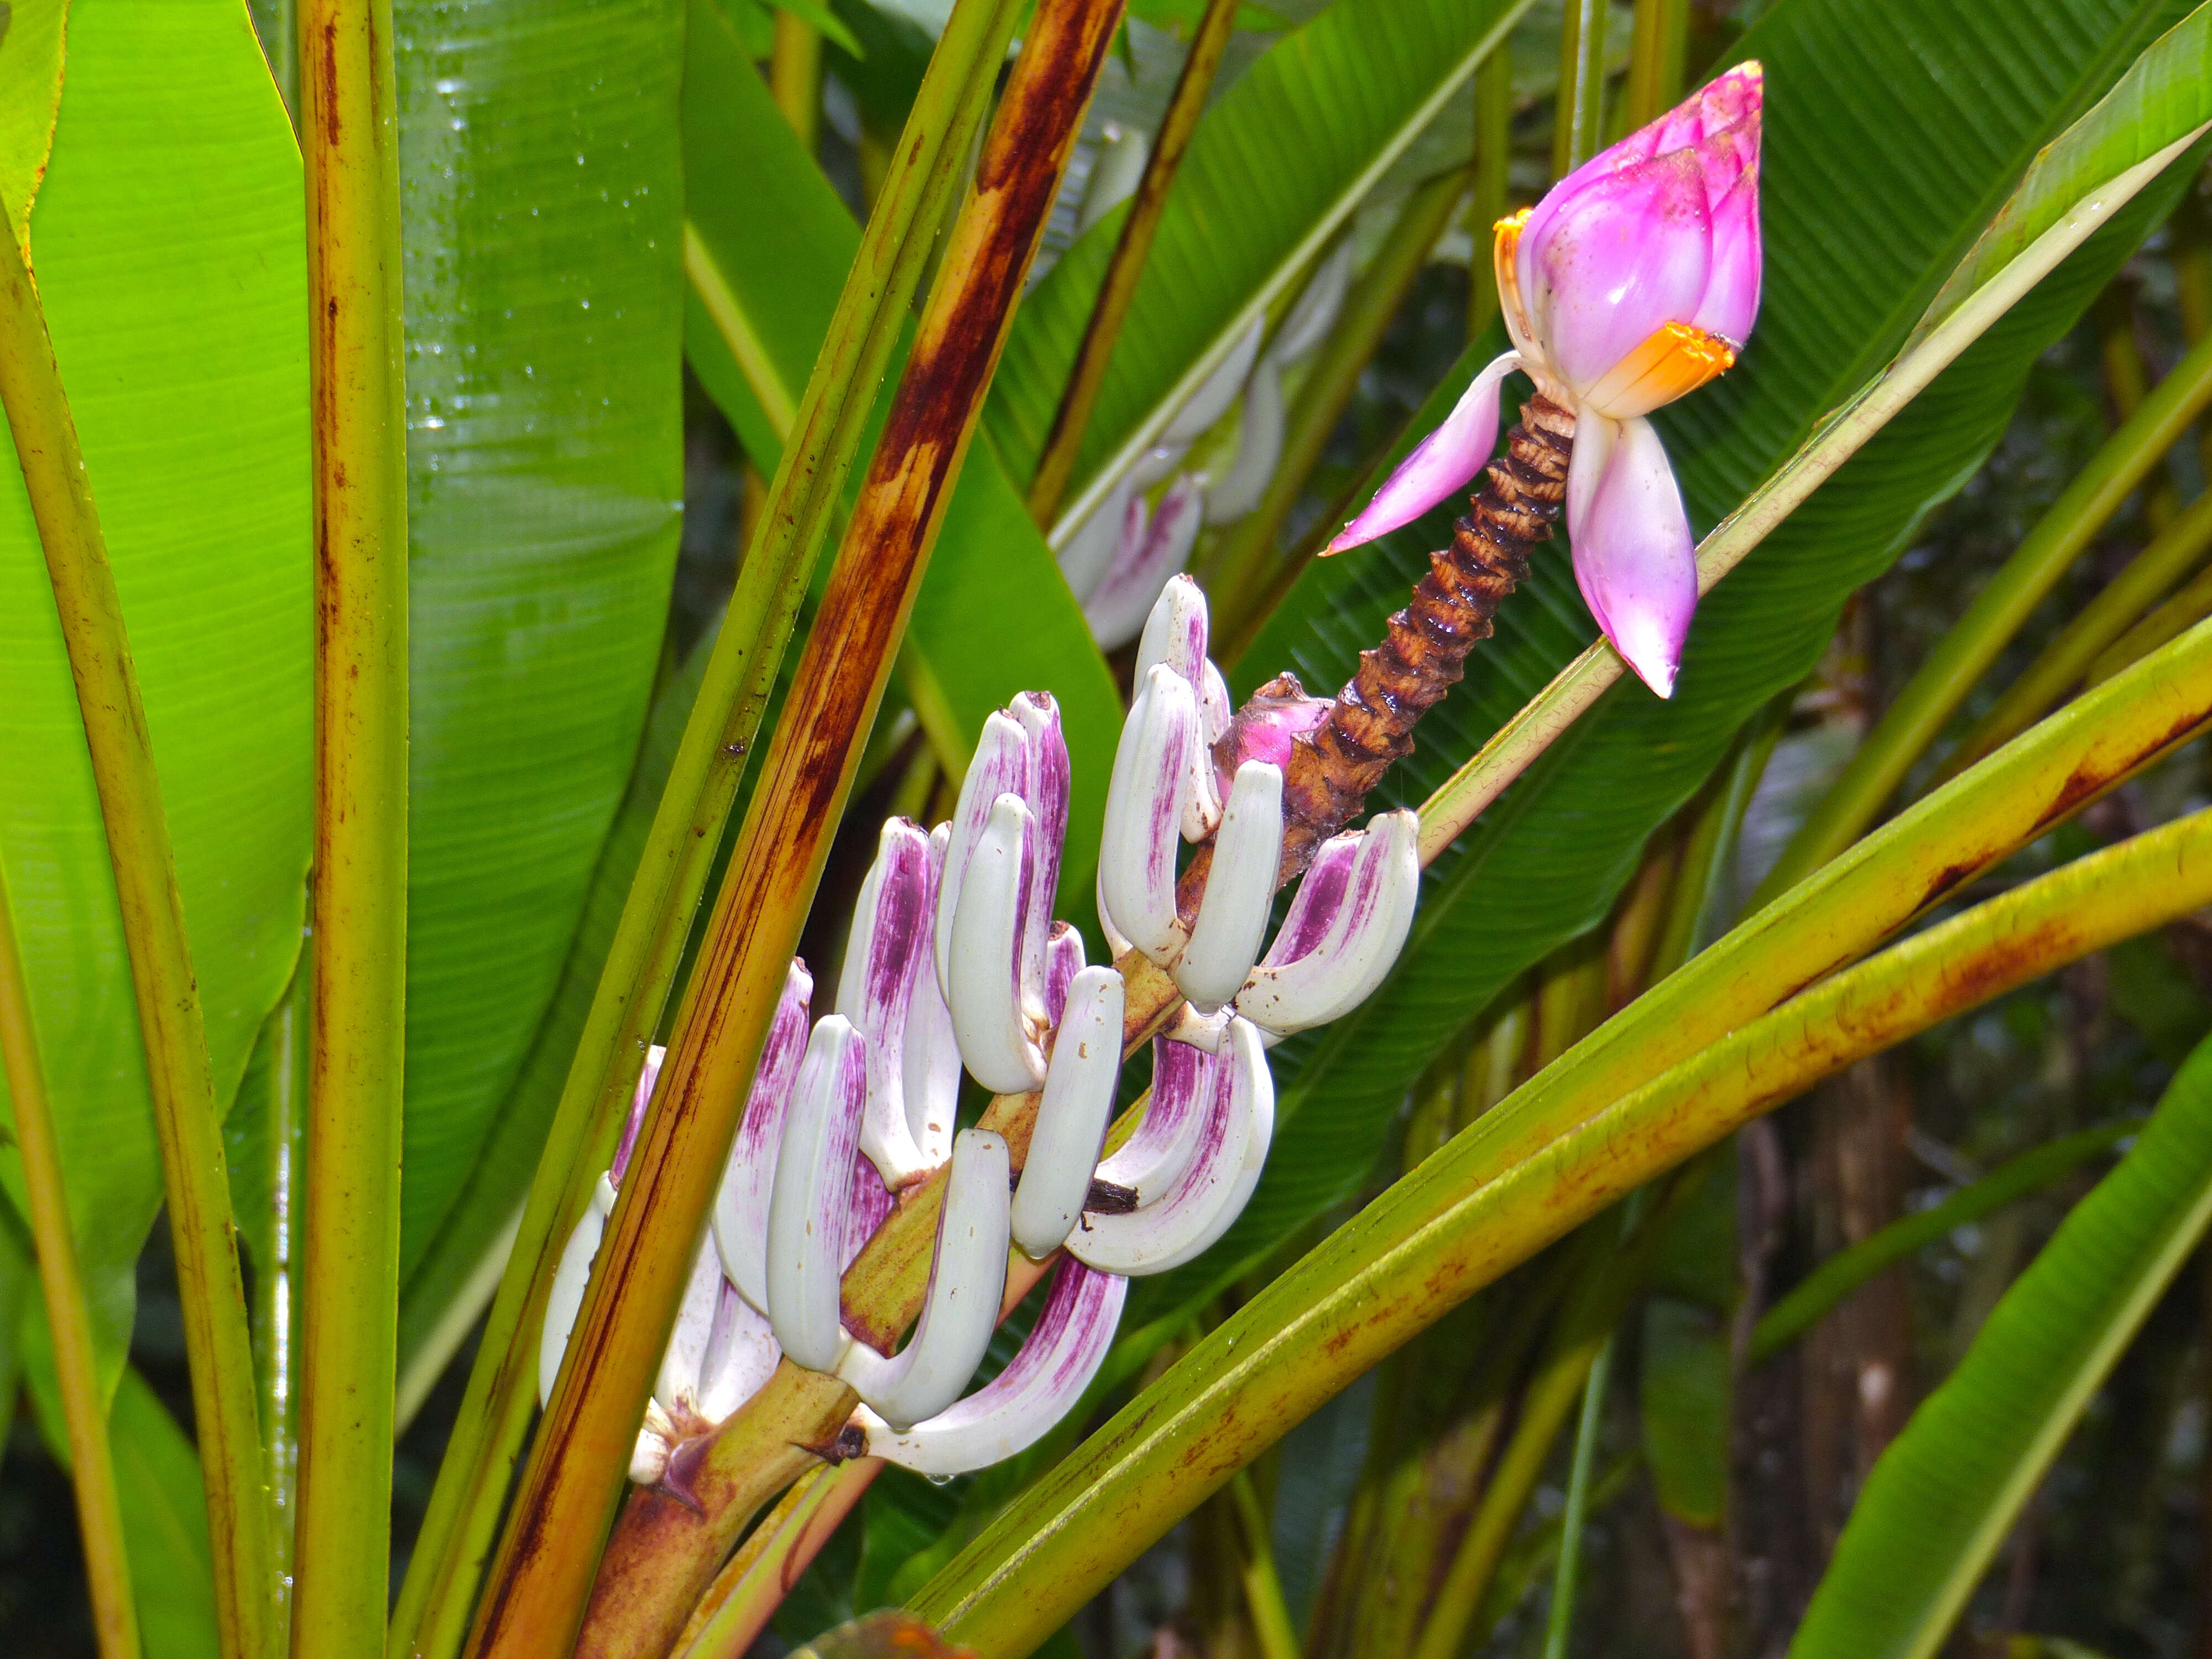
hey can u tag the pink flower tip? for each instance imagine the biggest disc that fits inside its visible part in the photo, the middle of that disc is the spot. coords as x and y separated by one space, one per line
1440 465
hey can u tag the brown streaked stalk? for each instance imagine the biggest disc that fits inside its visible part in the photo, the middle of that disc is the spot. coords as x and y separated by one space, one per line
185 1123
1425 651
356 1030
1056 465
535 1602
84 1403
929 170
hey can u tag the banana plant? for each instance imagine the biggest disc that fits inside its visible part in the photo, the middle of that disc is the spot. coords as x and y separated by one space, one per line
706 762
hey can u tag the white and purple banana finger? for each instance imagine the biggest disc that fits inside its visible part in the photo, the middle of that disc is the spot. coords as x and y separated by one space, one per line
1072 1116
967 1280
741 1203
1015 1409
1231 923
810 1202
1331 954
997 1030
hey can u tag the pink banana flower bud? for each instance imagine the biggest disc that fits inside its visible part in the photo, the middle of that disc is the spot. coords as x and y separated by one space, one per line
1633 282
1272 719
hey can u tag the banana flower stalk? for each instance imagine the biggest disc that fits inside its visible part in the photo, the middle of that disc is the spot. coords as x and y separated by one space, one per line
1634 282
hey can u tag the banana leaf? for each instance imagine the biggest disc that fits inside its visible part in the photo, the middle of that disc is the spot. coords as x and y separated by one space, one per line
541 197
1946 1492
168 242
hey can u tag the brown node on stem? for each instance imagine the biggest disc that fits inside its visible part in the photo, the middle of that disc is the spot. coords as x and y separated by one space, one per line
1424 647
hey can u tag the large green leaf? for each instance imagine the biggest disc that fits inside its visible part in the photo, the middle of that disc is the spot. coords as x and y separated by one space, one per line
768 244
1276 169
1947 1492
30 99
1881 168
169 244
437 1308
541 201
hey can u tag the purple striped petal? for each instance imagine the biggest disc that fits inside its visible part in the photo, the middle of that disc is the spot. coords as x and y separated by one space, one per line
1442 464
1635 560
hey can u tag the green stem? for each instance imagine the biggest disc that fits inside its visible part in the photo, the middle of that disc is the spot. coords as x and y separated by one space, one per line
84 1402
1263 1587
1545 1405
1493 158
536 1600
1844 1271
356 1028
1606 1282
185 1121
1560 1623
1056 464
2172 554
443 1577
1251 577
1580 115
1998 613
1464 1217
1655 61
752 1584
1710 852
276 1286
2170 620
795 75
